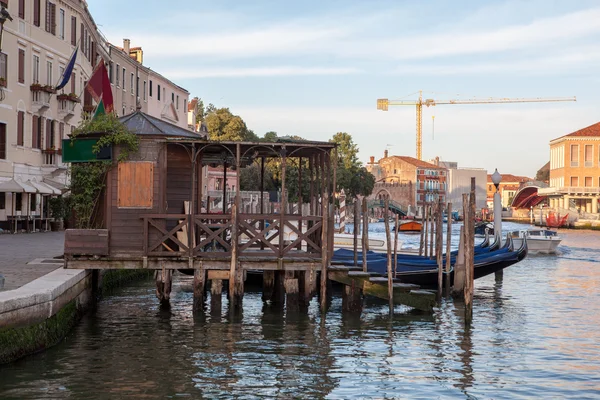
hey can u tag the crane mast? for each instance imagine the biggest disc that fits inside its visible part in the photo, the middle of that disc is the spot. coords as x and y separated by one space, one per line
383 105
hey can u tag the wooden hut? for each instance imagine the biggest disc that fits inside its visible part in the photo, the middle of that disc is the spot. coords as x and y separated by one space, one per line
152 216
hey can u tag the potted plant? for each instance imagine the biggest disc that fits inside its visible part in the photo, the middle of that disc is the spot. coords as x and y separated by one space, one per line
48 89
2 81
57 211
73 97
62 97
35 87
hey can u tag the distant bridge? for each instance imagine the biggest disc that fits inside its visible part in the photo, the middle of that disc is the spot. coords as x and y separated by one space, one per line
527 195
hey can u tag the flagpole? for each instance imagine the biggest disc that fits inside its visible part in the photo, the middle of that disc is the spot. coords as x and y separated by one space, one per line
73 52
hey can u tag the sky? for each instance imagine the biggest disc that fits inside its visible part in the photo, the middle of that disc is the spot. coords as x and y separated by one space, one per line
314 68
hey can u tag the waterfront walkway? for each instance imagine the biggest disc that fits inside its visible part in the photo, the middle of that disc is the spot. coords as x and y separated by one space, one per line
17 251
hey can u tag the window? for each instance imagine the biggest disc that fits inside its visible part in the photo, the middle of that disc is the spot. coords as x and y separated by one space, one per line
117 75
158 92
49 73
2 141
36 12
18 201
172 97
4 68
50 134
184 105
135 184
588 155
33 203
36 132
36 69
82 38
2 201
218 184
61 24
123 79
74 31
144 90
150 88
21 66
131 83
50 17
588 181
20 128
61 134
164 93
22 9
177 102
574 181
73 82
574 155
110 72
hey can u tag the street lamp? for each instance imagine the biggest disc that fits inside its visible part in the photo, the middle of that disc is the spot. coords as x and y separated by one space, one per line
496 178
4 15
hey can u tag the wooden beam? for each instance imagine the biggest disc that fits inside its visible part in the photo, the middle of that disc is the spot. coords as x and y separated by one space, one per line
448 247
390 277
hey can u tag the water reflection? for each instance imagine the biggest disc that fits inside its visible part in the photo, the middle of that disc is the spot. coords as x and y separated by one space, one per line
533 335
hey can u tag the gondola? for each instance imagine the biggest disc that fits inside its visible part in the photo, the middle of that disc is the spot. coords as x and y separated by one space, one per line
425 273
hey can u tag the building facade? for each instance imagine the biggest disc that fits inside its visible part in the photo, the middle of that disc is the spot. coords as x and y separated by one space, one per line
427 181
34 117
575 171
508 187
459 183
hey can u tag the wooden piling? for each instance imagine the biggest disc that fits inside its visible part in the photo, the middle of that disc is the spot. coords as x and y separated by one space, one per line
458 285
268 285
432 214
389 256
324 252
448 247
365 235
470 249
199 280
356 230
235 288
467 238
216 289
292 290
396 246
421 244
352 298
425 228
439 243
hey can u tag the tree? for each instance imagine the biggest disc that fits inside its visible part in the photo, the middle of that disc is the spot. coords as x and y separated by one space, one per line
200 112
347 150
223 125
270 137
351 175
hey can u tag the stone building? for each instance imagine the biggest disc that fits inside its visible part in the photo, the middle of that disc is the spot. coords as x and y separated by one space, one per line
407 180
36 48
459 182
575 171
509 186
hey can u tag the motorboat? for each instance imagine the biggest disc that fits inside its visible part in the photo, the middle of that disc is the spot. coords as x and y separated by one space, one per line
409 226
346 241
538 240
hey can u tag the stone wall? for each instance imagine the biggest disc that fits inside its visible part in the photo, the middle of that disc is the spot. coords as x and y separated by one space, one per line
403 193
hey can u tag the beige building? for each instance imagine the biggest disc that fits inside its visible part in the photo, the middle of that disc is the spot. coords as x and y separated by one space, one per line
575 171
36 48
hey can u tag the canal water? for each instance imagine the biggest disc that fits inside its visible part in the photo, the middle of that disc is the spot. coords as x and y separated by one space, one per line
535 334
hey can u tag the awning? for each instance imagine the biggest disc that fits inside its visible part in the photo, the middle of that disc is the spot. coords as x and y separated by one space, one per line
11 186
56 185
41 187
29 188
55 190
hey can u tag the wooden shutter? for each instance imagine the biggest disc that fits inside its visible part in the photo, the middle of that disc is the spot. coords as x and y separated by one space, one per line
61 134
48 134
22 9
40 137
47 19
20 127
36 12
53 18
21 66
82 39
74 31
3 141
73 79
34 131
135 184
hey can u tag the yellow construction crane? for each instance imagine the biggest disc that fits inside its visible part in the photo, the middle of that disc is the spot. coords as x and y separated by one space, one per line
383 104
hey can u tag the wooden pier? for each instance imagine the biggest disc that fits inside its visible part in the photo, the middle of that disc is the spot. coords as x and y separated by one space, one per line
151 217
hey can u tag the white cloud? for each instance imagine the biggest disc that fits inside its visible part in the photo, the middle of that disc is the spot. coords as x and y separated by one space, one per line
256 72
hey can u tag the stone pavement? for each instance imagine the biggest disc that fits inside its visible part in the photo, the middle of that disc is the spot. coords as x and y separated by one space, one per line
17 250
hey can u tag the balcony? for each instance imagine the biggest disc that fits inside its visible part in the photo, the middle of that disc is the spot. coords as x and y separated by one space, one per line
569 190
66 105
51 156
40 97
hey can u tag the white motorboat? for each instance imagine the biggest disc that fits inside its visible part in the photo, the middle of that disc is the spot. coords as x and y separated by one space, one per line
346 241
538 240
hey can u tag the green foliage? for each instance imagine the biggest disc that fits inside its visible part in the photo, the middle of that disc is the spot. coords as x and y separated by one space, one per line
347 151
224 126
270 137
57 207
89 179
200 112
351 175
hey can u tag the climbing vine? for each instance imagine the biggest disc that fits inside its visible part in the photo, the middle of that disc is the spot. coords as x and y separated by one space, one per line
89 179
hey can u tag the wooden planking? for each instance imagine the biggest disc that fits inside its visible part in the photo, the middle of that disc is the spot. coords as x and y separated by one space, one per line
86 242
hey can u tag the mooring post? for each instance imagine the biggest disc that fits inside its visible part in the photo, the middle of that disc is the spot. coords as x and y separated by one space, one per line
356 230
365 235
235 297
290 284
216 289
426 227
389 256
268 285
421 244
448 247
324 250
439 243
470 254
396 246
458 285
305 291
352 298
433 213
199 279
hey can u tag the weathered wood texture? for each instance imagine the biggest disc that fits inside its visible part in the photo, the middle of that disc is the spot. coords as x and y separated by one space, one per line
92 242
135 184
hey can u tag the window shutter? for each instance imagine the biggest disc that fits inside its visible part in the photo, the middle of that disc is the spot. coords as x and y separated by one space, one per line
135 184
47 19
20 127
21 66
73 82
34 131
22 9
81 42
74 31
48 134
36 12
61 134
40 137
53 18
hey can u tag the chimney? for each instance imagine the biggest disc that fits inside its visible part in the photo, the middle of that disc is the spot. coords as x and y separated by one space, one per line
372 159
385 153
126 45
437 161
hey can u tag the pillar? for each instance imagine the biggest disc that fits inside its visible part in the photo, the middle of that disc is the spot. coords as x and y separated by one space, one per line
292 290
594 205
588 206
566 200
199 279
216 289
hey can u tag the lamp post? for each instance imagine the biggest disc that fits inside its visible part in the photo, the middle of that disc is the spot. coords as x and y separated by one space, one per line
496 178
4 15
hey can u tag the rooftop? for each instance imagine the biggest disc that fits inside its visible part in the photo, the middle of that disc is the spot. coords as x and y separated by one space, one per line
510 178
590 131
415 162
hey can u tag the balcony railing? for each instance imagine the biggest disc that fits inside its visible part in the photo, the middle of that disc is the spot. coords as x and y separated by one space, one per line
66 108
569 190
40 100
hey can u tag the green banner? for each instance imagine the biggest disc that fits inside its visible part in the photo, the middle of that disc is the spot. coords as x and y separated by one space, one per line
80 150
